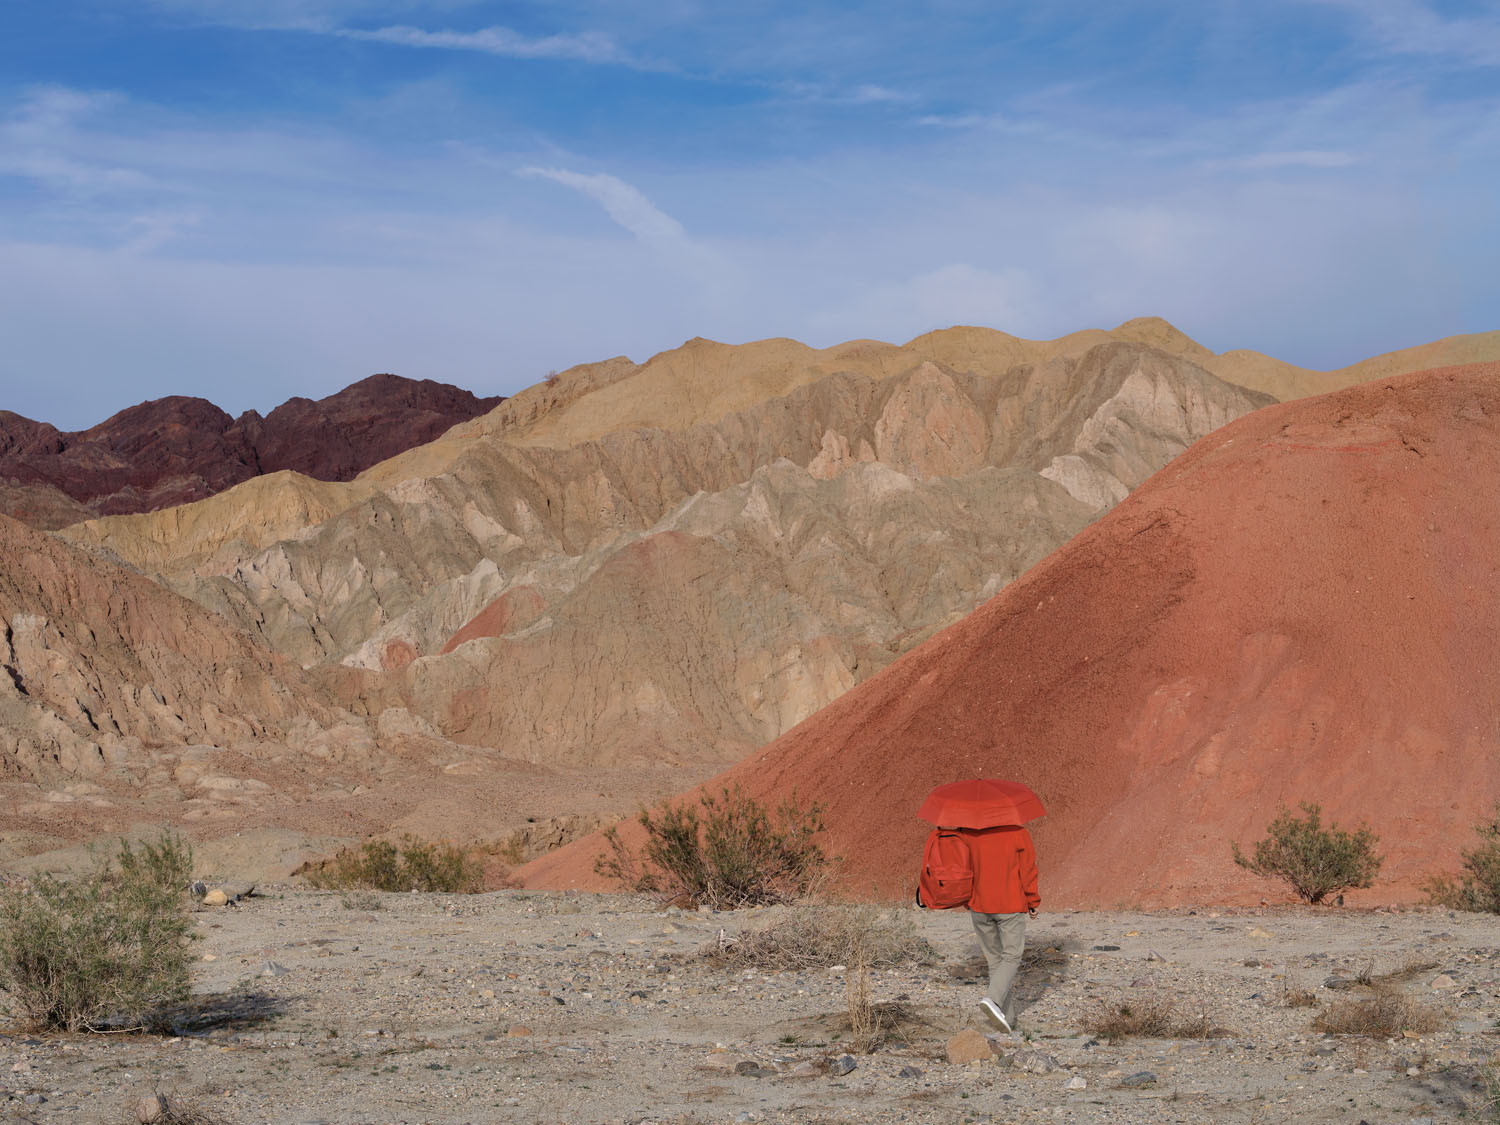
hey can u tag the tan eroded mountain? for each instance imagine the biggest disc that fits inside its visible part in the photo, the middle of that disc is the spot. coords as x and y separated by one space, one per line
679 595
701 382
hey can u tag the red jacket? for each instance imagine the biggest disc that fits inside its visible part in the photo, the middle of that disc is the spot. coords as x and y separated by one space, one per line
1004 861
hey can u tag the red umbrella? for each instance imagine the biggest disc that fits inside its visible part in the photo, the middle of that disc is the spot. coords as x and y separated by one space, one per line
981 803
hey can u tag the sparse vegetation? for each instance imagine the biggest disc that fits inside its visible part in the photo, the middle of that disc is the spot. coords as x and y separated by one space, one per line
1152 1016
1315 861
1383 1014
107 949
816 936
1478 888
170 1111
734 853
417 865
1295 996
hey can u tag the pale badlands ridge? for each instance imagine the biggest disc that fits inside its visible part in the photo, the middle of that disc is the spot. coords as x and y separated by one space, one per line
625 575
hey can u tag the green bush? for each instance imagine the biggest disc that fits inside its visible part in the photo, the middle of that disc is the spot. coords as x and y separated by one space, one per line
107 949
1315 861
732 854
418 865
1478 889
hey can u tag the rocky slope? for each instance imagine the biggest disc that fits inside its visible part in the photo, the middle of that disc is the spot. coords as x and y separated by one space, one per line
1303 607
669 595
101 664
174 450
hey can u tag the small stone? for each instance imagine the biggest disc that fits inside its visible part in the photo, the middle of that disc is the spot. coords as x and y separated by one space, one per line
749 1068
1443 981
487 993
1034 1062
153 1107
807 1070
908 1072
969 1046
1140 1080
844 1064
210 956
1152 955
1412 1072
1260 932
518 1031
1077 1082
274 969
1105 948
215 897
36 1099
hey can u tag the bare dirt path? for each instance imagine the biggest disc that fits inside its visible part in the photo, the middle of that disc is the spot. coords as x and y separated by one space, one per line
530 1007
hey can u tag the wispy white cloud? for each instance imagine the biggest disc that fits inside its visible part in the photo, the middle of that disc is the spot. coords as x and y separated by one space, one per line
588 46
623 202
1298 158
1410 27
37 143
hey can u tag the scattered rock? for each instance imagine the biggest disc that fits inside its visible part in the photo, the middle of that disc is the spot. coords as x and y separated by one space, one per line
749 1068
1443 981
153 1107
1076 1082
909 1072
274 969
844 1064
969 1046
1034 1062
518 1031
1105 948
1141 1080
215 897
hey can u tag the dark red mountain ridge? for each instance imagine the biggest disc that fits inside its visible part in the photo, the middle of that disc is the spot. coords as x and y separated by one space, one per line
177 449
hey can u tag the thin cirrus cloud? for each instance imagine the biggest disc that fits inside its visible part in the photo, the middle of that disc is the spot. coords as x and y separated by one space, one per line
623 202
588 46
1407 27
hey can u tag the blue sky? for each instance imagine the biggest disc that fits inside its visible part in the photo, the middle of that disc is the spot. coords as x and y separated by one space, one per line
251 199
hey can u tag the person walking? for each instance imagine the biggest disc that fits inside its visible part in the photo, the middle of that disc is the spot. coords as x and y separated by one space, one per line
1004 896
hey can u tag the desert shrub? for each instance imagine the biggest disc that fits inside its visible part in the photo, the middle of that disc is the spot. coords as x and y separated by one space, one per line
1315 861
1478 888
1151 1016
160 1109
107 948
1384 1014
417 865
734 853
815 937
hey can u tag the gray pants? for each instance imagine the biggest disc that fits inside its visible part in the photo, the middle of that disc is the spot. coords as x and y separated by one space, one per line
1002 937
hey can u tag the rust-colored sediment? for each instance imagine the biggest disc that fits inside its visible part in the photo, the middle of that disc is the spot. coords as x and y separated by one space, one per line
1304 606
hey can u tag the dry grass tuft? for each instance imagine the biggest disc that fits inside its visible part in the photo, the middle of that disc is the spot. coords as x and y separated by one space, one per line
1152 1016
1384 1014
812 937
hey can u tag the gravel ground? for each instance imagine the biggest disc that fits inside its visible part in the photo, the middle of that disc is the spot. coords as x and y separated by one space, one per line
532 1007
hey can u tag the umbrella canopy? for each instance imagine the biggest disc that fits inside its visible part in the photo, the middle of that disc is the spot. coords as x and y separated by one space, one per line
981 803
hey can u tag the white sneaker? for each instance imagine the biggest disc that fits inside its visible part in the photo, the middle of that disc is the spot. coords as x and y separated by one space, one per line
994 1014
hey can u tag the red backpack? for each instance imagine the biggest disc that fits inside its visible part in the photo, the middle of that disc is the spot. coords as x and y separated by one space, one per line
947 878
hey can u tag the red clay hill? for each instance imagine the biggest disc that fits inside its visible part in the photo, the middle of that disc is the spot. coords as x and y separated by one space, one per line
177 449
1305 606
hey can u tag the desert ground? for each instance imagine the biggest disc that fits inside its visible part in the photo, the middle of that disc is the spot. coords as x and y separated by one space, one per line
525 1006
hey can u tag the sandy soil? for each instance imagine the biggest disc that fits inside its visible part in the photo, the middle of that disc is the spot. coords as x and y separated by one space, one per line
522 1006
